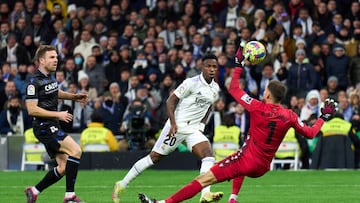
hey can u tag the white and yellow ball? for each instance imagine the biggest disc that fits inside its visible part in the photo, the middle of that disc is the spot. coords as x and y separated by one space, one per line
254 52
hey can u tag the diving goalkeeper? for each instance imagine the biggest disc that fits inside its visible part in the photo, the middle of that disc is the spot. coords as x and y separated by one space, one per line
269 122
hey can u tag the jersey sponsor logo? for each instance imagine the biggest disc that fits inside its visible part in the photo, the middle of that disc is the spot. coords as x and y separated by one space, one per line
51 86
30 90
200 102
246 98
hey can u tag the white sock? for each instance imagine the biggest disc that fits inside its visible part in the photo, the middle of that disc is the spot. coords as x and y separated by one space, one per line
206 164
69 194
233 196
161 201
35 191
136 170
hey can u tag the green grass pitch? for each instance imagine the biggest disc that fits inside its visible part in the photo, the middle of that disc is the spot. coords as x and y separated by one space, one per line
274 187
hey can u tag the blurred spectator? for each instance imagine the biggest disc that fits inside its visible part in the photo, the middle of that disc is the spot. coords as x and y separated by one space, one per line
134 83
115 21
124 39
28 43
114 91
312 105
229 14
4 12
332 87
20 80
14 120
305 20
282 65
60 78
38 29
20 28
14 53
125 59
73 29
301 76
96 133
17 12
96 74
86 44
336 60
263 77
322 15
355 105
112 113
70 70
63 46
4 33
9 91
344 106
79 61
147 99
85 86
170 33
81 112
293 105
45 13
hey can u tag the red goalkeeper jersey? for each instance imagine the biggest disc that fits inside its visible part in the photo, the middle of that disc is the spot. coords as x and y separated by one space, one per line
268 123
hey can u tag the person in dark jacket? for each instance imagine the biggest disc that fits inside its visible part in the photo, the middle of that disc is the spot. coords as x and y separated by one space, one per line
301 75
337 64
19 53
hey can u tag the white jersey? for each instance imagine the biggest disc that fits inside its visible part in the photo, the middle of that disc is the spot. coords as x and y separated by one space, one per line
195 97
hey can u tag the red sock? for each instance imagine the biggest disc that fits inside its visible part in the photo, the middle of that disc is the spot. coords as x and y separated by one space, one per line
236 184
186 192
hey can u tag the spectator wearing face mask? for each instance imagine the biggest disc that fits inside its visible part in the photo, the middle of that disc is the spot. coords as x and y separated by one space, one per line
14 119
112 113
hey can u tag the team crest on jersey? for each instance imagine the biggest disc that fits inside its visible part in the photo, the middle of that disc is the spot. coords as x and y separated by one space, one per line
182 90
30 90
246 98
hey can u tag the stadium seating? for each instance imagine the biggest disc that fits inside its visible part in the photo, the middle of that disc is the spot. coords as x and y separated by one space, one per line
287 147
32 155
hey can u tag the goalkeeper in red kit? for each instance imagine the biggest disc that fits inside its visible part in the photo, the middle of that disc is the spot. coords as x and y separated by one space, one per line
269 122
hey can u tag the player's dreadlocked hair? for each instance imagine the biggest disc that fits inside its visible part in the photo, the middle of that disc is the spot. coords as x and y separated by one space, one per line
277 90
40 52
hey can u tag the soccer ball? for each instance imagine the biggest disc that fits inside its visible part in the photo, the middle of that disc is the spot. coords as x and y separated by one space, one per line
254 52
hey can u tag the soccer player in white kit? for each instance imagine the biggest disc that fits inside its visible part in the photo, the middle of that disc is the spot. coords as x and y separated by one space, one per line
188 109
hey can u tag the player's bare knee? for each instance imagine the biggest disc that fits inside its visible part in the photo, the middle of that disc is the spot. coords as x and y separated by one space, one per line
155 157
61 169
75 152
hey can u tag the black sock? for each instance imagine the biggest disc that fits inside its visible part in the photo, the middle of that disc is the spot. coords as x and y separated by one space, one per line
50 178
71 170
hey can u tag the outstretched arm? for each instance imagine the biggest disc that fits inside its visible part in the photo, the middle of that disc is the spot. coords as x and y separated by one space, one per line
81 97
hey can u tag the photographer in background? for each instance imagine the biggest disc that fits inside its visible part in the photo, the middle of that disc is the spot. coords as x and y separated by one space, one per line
136 125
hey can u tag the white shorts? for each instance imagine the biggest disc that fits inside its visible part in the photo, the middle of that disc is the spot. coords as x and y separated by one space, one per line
165 144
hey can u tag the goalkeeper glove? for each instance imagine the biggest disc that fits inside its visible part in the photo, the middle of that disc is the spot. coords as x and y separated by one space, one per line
239 57
328 109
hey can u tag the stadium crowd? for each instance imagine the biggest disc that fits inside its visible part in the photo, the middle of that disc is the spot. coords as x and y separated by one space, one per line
121 51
